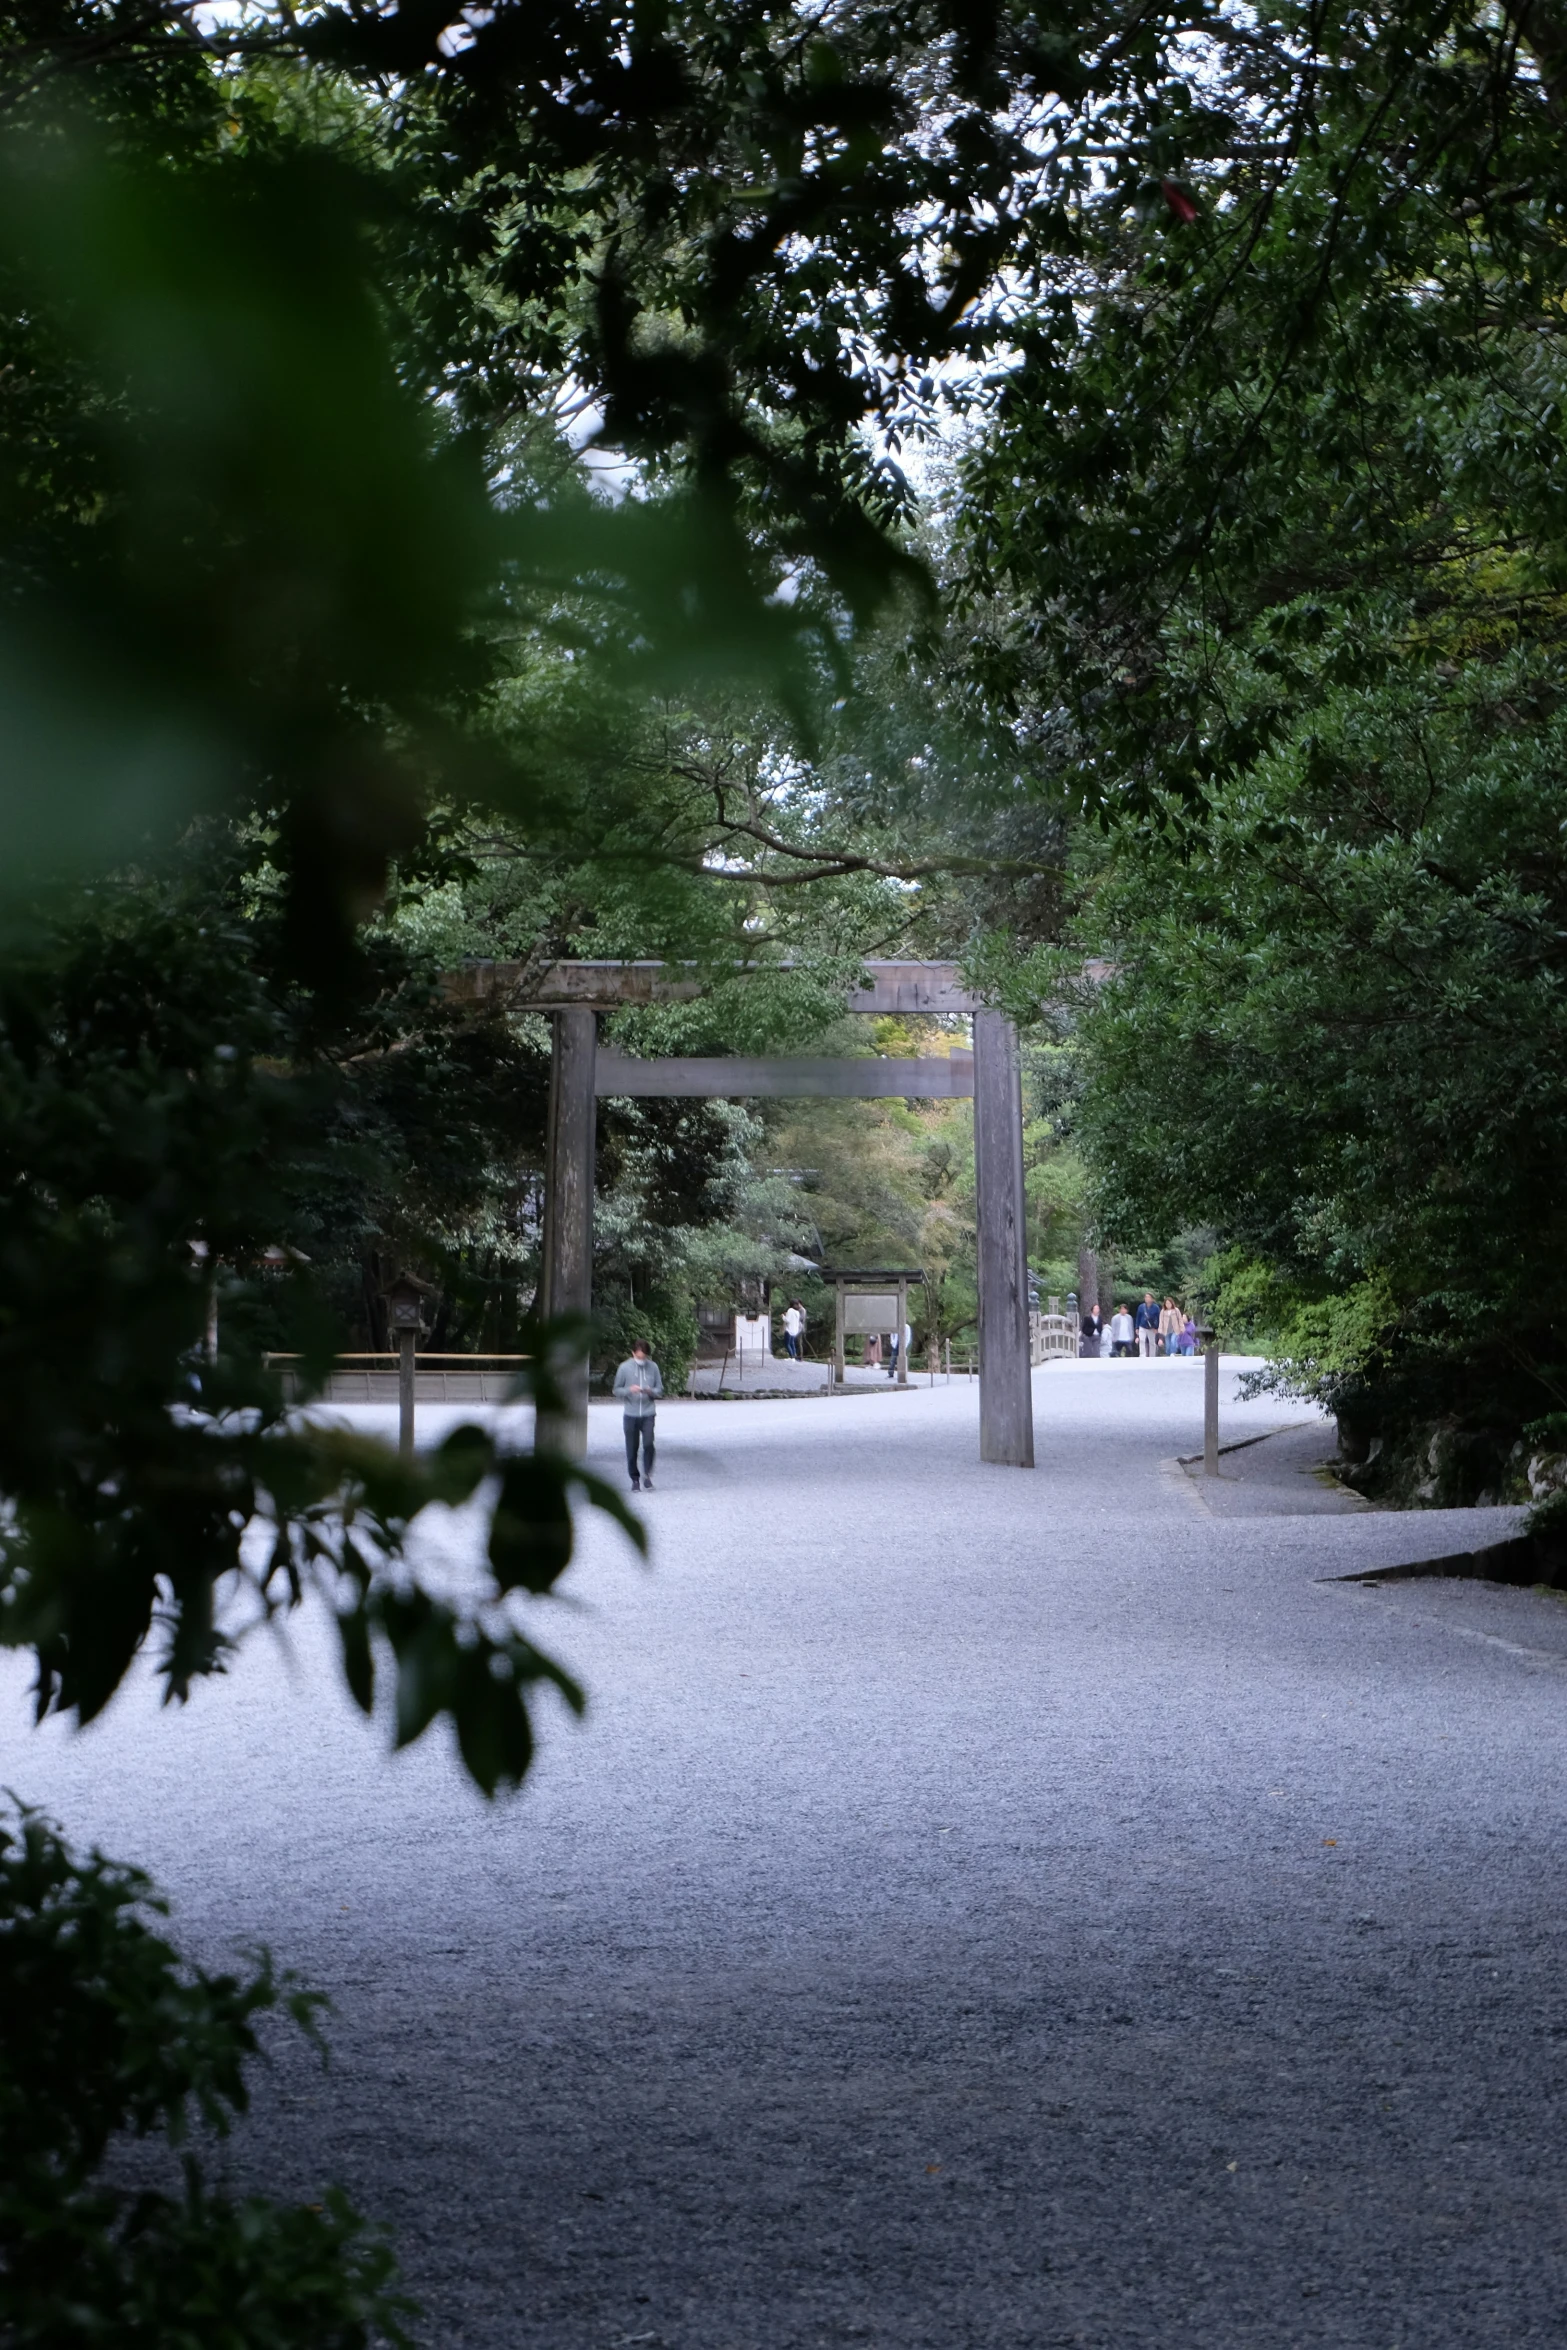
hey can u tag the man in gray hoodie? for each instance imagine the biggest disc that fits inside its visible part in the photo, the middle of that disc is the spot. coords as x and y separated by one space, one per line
639 1387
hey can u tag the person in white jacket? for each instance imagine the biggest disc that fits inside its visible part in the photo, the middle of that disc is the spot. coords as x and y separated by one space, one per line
1123 1334
639 1386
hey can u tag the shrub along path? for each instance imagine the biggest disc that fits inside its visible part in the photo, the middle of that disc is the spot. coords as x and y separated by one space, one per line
981 1909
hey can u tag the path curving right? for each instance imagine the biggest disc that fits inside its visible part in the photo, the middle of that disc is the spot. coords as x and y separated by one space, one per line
982 1909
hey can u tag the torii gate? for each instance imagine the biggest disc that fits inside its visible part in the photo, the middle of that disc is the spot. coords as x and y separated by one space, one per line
574 994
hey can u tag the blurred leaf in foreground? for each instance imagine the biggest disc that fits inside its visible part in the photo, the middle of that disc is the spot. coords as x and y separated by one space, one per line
105 2031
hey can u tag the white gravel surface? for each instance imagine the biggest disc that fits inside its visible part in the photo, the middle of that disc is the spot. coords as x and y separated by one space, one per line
981 1909
776 1375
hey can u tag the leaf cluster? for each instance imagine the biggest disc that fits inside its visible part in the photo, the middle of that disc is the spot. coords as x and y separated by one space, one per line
162 1084
106 2031
298 309
1277 480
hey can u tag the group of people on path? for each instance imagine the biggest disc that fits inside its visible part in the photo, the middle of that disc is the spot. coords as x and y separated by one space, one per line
1149 1330
872 1355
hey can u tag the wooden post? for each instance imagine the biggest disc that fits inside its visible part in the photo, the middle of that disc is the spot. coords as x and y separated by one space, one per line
1087 1280
1006 1398
568 1214
407 1341
1210 1404
903 1334
839 1357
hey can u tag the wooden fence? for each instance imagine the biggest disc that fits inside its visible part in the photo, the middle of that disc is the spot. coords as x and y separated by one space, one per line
438 1378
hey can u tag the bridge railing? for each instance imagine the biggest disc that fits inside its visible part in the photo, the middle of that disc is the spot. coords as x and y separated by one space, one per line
1051 1336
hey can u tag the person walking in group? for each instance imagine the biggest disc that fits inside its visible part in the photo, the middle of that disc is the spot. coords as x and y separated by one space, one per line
1123 1332
1147 1327
639 1386
1170 1327
871 1354
794 1329
1090 1333
1187 1341
900 1345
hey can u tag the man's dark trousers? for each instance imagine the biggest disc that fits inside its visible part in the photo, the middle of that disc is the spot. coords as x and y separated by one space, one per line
639 1431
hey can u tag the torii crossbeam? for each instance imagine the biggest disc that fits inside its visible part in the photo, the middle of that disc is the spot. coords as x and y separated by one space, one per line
575 993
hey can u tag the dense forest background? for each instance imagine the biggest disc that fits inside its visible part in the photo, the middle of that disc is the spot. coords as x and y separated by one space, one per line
1085 500
1080 492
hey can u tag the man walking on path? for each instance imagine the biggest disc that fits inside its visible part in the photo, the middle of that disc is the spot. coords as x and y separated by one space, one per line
639 1387
794 1328
1148 1327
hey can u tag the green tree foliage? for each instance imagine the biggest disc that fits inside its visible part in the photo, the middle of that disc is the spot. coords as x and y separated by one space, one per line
293 308
1278 475
106 2033
1345 1050
298 306
162 1083
1055 1177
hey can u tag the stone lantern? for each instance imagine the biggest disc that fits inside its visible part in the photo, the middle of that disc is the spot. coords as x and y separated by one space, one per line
405 1319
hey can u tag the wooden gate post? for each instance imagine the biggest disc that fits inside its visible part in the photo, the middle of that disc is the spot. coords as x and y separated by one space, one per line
1210 1403
840 1358
1006 1396
903 1325
407 1375
1087 1281
568 1213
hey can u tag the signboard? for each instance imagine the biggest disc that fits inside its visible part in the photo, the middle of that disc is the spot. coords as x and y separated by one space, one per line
866 1311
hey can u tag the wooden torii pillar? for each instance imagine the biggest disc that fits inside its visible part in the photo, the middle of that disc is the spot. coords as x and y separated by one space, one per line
574 993
571 1145
1006 1390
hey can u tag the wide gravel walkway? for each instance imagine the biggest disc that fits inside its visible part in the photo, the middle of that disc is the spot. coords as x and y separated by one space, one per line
981 1909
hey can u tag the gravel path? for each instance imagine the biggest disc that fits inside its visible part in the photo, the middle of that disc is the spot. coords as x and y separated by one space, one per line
1284 1475
982 1909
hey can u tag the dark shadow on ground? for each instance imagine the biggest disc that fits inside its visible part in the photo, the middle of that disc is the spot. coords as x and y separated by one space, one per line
1286 1475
